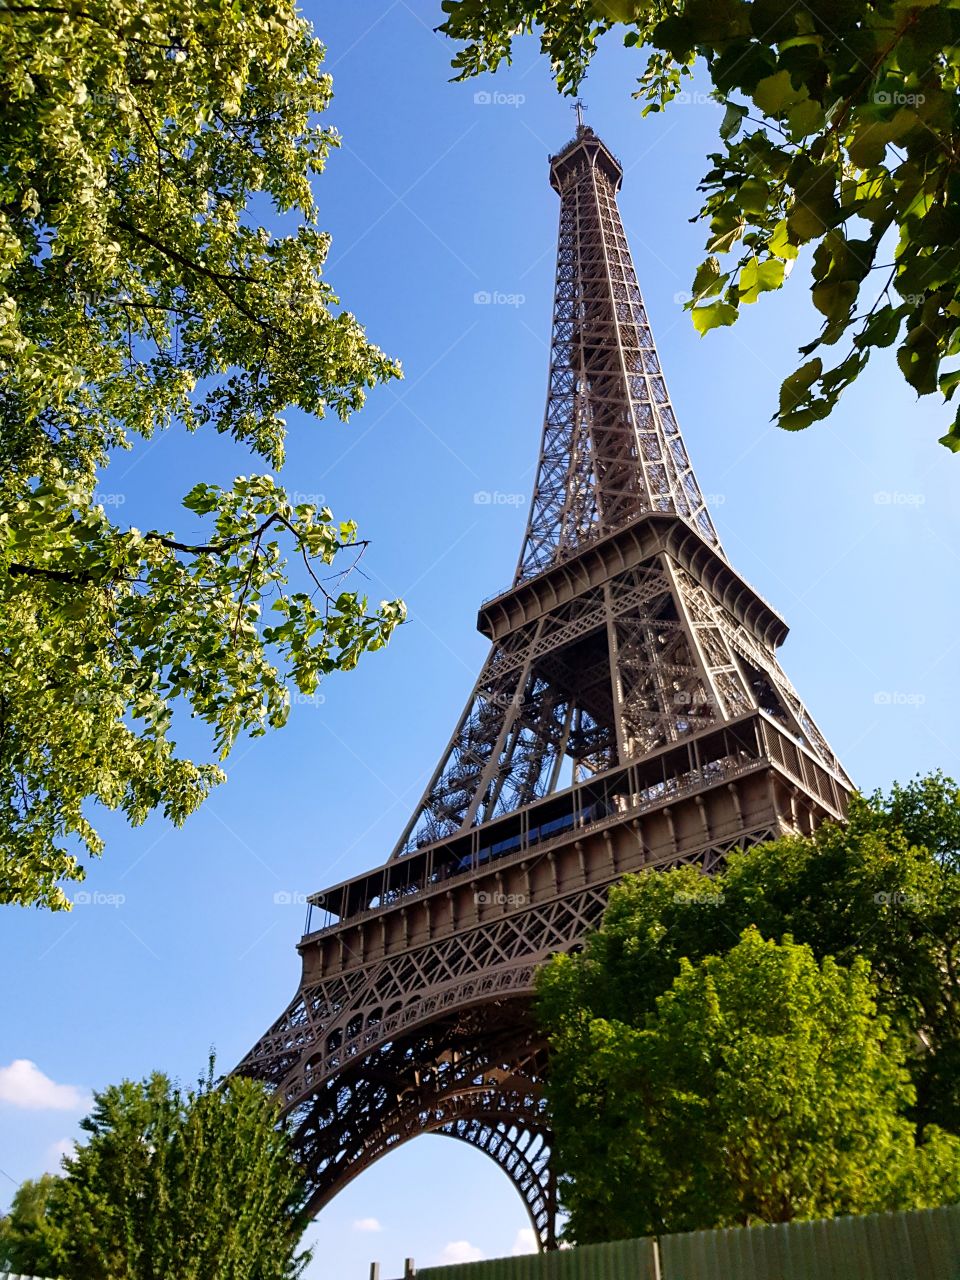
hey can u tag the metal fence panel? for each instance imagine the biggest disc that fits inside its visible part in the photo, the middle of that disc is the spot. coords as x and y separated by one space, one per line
920 1245
619 1260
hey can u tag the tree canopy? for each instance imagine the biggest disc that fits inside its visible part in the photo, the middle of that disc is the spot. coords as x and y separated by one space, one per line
24 1231
141 144
841 132
170 1184
856 925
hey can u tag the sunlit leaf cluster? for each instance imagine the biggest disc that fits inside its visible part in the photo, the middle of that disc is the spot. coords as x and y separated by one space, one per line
141 147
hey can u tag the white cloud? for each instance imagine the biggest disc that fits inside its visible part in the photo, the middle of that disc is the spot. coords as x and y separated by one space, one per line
56 1152
367 1224
460 1251
526 1242
23 1084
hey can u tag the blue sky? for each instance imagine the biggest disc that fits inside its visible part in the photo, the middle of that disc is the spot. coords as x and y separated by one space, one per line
850 529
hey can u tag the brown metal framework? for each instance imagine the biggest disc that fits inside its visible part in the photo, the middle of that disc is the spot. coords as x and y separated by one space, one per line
631 714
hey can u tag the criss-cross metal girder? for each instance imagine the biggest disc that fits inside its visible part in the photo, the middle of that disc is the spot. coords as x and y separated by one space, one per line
631 714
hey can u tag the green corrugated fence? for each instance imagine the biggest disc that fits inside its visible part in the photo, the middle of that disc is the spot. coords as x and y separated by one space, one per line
919 1245
619 1260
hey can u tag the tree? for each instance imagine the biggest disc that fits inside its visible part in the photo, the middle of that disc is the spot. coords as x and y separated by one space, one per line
25 1233
868 888
179 1185
139 144
763 1088
841 131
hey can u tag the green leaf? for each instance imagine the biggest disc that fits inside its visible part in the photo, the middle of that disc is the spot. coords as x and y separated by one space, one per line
882 328
709 280
713 316
835 298
732 120
805 118
759 277
918 360
775 94
869 143
780 244
795 388
752 195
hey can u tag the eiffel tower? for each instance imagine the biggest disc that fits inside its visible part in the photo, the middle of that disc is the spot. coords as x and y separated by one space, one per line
631 714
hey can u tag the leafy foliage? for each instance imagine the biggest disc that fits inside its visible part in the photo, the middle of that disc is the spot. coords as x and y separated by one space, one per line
762 1089
138 291
25 1234
867 899
841 131
174 1185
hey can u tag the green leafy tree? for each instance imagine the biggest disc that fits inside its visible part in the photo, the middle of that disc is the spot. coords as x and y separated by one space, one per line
179 1185
763 1087
885 886
841 132
26 1236
140 142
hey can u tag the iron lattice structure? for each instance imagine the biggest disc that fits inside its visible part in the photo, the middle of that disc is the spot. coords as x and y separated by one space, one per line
631 714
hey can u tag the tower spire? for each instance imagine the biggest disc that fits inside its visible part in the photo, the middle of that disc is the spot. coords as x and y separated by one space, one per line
611 447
